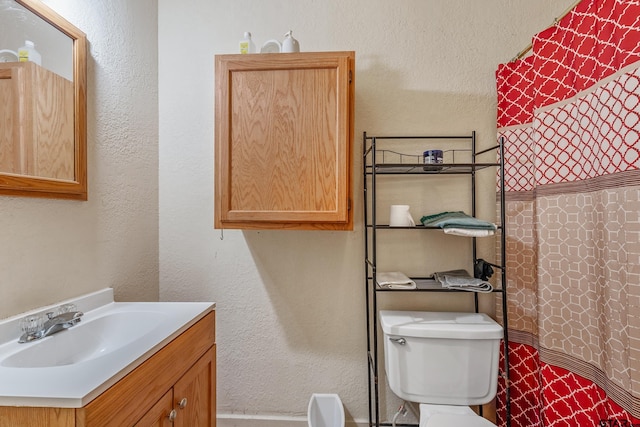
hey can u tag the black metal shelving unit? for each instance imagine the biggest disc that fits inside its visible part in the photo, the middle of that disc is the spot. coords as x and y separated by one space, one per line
381 163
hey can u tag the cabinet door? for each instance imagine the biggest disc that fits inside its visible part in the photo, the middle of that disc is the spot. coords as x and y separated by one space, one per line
37 132
159 415
284 130
52 129
194 394
10 154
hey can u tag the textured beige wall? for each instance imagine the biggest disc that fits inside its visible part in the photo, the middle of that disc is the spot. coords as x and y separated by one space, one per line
51 250
291 304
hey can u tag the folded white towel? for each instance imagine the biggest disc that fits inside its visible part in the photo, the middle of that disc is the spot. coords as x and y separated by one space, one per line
468 232
394 280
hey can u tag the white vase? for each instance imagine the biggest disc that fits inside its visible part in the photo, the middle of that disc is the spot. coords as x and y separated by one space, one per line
289 44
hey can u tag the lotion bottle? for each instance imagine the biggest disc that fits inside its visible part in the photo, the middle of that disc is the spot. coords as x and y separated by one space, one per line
246 44
28 52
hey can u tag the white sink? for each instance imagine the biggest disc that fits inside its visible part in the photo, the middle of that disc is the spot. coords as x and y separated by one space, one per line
86 340
72 367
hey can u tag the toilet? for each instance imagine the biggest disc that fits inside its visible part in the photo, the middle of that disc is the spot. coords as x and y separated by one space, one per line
444 361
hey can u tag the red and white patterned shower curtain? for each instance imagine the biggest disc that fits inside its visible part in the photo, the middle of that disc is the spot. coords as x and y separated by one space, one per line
570 117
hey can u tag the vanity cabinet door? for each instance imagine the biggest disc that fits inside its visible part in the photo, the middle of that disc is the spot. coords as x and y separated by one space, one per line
191 402
159 415
283 144
194 394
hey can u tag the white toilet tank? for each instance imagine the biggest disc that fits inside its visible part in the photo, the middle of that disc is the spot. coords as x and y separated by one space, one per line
441 357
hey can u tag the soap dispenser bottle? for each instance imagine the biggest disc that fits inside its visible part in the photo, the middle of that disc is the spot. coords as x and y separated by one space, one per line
246 44
289 44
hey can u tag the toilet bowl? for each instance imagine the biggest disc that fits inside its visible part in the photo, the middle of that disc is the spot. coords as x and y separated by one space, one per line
444 361
450 416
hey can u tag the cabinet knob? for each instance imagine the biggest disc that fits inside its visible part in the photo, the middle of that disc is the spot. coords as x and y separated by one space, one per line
172 415
182 403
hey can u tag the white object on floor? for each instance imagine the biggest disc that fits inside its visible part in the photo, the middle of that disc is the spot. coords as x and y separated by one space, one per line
325 410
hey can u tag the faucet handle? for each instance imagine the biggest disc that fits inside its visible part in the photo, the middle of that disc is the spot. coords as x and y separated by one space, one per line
66 308
32 324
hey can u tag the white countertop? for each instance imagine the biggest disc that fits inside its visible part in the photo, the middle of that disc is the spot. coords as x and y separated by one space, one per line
76 384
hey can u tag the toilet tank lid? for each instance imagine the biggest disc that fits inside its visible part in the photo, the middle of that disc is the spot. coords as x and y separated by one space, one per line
429 324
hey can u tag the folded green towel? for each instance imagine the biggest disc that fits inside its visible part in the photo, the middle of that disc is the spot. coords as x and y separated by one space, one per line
456 220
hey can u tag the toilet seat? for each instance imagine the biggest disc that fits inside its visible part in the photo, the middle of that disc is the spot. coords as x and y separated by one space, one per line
455 420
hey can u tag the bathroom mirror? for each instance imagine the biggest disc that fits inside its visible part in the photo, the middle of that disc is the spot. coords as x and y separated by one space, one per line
43 130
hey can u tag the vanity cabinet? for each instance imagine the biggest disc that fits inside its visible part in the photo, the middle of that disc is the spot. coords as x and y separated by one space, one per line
173 387
37 132
283 141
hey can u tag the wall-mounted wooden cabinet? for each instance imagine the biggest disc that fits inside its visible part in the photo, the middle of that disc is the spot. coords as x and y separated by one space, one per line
283 144
37 125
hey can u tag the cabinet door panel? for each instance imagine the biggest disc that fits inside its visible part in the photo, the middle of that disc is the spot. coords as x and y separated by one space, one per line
194 394
37 125
158 415
283 140
9 118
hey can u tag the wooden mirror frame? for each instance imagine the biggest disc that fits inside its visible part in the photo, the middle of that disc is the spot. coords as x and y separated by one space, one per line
31 186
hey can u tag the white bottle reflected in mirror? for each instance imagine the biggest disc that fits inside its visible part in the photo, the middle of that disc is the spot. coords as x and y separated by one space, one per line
289 44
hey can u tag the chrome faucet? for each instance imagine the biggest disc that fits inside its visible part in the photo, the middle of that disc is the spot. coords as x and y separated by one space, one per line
36 327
